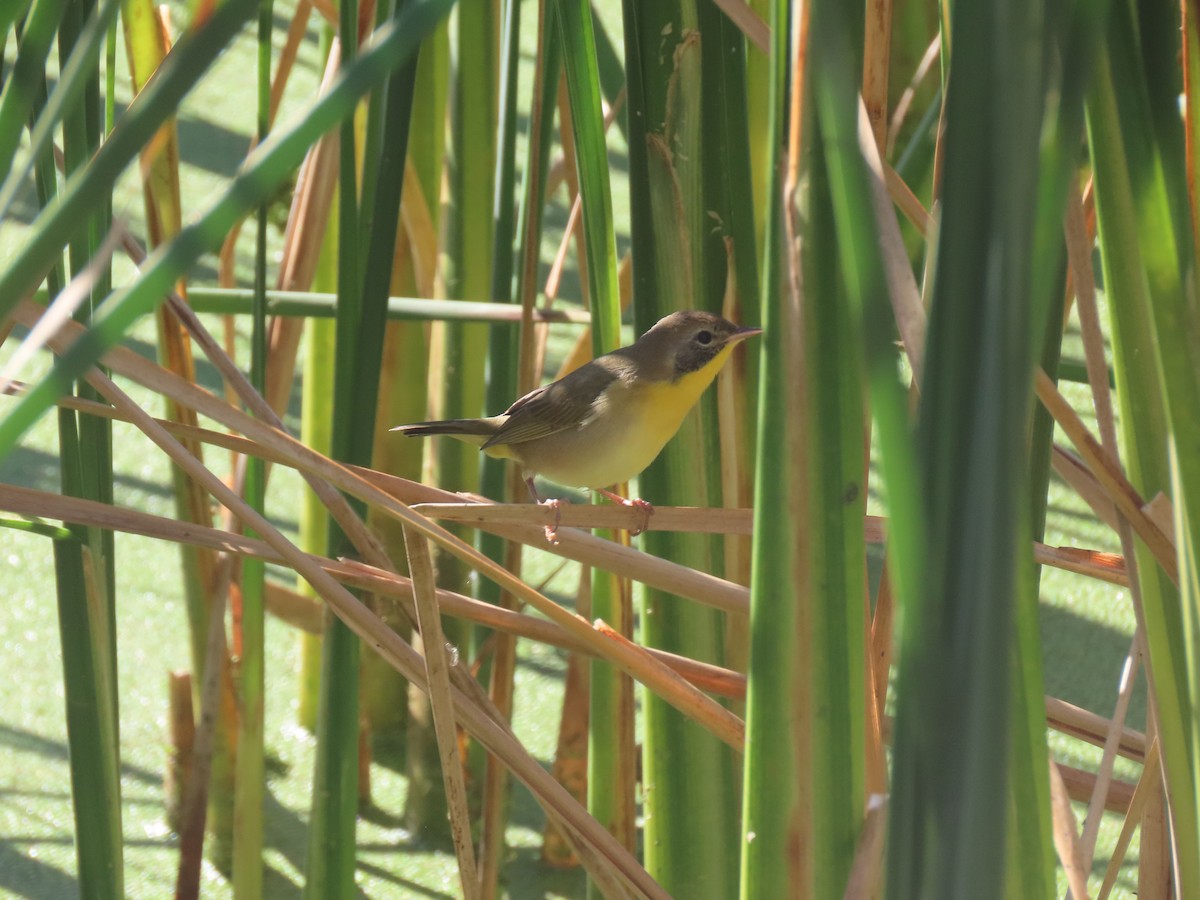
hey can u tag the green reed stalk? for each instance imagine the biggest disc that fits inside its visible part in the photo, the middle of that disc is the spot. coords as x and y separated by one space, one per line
249 785
610 765
771 774
85 597
679 263
947 817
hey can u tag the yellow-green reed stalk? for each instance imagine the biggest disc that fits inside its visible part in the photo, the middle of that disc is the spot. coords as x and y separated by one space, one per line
331 846
146 47
249 785
316 431
503 384
367 240
680 127
404 377
88 651
1030 849
1146 249
507 285
468 250
610 765
84 561
806 703
466 274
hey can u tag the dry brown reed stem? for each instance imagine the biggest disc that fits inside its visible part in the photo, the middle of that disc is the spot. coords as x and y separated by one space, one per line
308 614
867 867
323 473
1079 246
907 201
1092 727
881 643
303 236
1150 781
195 806
1060 715
910 91
1066 834
505 519
489 516
420 565
877 47
370 628
1072 470
297 29
1108 473
732 730
749 22
1080 784
356 531
902 284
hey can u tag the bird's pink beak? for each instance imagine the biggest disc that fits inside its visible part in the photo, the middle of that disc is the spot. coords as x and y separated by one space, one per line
742 333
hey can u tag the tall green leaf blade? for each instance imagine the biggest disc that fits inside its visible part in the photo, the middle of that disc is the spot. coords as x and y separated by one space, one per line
20 87
608 726
1146 243
774 863
249 783
953 697
583 86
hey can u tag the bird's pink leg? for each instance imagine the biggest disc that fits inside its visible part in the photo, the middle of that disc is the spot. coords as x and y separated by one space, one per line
554 504
637 503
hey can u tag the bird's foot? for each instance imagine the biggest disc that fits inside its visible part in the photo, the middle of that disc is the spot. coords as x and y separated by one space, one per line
637 503
552 530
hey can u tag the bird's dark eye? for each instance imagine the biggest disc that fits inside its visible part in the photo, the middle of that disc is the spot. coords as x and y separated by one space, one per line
704 337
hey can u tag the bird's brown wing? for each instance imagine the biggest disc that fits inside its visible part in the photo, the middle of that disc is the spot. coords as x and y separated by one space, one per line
565 404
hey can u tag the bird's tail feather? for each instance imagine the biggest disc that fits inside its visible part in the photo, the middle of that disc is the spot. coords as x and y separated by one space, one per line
474 431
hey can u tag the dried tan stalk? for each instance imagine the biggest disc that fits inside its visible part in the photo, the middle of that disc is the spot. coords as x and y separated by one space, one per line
1080 784
902 284
1108 473
1079 247
1073 471
1066 835
308 614
420 565
727 726
1150 781
910 91
877 47
879 646
867 868
749 22
1093 728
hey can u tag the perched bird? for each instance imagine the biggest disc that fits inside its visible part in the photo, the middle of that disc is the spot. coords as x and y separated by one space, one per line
605 422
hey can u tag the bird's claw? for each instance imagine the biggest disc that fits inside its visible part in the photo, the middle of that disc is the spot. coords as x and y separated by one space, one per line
647 509
637 503
552 530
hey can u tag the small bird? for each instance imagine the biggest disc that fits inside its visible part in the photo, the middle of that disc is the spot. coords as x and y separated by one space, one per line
606 421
